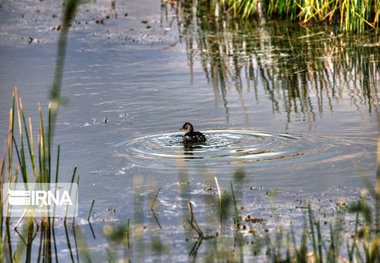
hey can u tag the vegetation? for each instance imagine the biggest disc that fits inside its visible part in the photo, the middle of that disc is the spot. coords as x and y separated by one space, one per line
225 235
41 171
351 15
33 167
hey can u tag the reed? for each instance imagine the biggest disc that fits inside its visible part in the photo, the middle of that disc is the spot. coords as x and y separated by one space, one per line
33 167
28 163
350 15
89 213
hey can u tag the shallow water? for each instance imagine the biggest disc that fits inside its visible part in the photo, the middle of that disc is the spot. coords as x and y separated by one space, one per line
284 107
224 148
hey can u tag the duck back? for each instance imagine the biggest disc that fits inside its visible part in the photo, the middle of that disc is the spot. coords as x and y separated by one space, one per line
194 137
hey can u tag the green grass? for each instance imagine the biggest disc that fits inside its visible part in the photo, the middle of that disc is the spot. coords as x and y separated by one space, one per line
37 168
34 165
350 15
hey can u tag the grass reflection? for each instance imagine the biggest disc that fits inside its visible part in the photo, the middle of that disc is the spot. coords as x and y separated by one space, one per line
302 70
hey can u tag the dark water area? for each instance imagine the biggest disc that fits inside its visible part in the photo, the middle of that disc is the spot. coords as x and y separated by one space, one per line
286 107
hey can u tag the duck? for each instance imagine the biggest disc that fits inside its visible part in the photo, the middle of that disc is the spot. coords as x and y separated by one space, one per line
192 136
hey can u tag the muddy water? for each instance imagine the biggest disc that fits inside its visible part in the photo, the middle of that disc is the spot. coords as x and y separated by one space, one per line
284 107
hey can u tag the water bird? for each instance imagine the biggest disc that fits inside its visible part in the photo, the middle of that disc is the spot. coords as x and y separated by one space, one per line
192 136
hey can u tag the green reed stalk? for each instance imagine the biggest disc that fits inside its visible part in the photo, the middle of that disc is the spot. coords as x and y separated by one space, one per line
29 139
30 229
68 241
55 92
42 148
21 153
49 138
8 240
89 213
55 191
128 231
74 232
10 138
220 206
320 241
19 158
313 238
41 241
72 181
236 219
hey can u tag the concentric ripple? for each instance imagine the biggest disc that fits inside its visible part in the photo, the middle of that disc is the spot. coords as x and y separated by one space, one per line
223 147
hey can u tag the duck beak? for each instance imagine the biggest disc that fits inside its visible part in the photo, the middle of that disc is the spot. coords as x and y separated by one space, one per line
182 129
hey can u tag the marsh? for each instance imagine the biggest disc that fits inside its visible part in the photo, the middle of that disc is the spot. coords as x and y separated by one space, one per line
283 107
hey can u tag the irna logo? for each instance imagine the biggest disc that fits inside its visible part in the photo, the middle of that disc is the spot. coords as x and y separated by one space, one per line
39 197
33 200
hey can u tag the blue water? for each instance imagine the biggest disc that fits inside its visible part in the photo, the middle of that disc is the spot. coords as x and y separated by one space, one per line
294 121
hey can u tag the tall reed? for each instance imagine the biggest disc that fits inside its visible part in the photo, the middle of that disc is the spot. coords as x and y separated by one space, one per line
350 15
20 149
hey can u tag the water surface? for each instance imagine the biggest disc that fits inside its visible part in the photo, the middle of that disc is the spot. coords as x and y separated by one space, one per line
289 107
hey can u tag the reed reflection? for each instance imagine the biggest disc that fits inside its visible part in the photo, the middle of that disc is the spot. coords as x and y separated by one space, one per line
302 70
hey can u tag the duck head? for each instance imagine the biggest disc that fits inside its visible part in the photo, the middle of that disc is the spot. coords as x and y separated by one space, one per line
188 127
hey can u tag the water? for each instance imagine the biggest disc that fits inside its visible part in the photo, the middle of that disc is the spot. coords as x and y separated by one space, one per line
284 107
223 148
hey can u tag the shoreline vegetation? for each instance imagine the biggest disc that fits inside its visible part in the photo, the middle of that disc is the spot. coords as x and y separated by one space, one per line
349 15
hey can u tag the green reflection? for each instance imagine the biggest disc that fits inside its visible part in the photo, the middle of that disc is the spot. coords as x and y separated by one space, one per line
301 70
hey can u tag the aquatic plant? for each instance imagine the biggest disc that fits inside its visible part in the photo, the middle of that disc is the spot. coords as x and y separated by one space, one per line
41 171
37 168
350 15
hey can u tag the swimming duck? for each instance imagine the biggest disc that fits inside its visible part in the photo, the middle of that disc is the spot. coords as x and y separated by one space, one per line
192 136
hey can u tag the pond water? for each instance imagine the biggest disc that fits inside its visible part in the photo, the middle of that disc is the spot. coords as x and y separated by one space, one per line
286 107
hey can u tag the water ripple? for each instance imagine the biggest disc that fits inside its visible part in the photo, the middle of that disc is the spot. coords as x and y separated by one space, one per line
223 148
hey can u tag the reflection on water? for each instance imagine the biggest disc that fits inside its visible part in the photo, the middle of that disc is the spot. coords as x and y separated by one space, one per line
302 70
